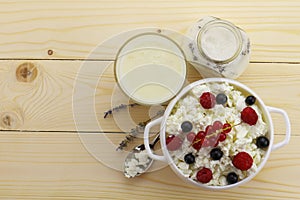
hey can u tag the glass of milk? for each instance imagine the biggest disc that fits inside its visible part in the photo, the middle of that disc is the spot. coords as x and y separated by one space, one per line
217 48
150 68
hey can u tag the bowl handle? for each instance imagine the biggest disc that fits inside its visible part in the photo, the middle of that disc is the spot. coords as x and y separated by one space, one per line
287 124
146 140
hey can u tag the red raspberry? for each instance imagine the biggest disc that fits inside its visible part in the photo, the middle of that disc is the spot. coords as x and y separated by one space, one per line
226 128
190 136
198 140
173 142
207 100
169 139
249 116
204 175
242 161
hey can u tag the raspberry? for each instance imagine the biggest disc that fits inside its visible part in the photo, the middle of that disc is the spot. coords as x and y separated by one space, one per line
249 116
204 175
226 128
198 140
169 139
173 142
242 161
207 100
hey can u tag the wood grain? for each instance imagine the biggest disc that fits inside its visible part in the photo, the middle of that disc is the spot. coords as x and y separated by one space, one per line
29 29
50 51
57 166
46 104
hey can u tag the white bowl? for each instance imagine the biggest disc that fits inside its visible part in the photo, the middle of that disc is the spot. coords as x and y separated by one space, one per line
266 110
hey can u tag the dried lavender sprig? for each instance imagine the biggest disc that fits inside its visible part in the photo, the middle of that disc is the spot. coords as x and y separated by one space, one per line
137 130
117 108
128 138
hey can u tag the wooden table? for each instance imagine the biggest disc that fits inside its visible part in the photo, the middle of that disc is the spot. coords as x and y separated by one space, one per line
44 43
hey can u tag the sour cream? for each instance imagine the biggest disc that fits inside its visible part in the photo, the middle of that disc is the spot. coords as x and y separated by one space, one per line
217 48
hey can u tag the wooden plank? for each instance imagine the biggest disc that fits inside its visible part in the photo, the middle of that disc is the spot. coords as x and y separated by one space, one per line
46 103
29 29
57 166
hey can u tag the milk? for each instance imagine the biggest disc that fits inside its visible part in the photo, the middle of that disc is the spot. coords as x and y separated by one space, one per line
150 69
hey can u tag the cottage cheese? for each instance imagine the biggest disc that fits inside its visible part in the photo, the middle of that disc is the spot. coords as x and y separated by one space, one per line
241 137
136 164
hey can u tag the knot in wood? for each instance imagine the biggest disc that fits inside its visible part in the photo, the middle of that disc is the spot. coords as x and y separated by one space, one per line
9 120
26 72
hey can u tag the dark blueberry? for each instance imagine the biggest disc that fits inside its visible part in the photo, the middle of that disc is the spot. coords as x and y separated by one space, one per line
221 98
250 100
189 158
216 154
262 142
186 126
232 178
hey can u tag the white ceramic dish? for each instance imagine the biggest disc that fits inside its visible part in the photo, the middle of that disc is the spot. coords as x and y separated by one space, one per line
266 110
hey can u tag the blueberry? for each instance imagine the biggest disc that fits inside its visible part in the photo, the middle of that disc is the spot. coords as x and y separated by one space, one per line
250 100
216 154
232 178
186 126
262 142
189 158
221 98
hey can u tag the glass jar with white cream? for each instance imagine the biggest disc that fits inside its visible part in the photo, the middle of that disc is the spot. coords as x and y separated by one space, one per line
217 48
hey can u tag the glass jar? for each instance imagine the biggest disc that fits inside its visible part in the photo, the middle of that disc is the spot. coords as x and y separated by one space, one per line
217 48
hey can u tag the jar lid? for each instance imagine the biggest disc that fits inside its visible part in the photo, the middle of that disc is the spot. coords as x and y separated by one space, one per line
150 68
